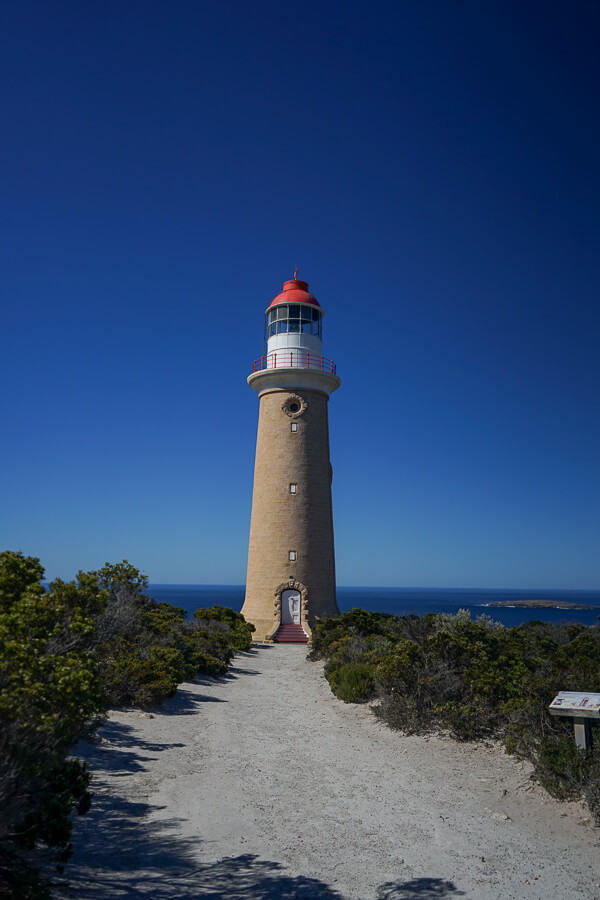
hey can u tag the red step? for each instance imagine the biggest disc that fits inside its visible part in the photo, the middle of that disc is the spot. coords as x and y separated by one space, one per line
290 634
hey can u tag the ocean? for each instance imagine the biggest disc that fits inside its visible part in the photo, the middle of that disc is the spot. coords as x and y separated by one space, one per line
404 601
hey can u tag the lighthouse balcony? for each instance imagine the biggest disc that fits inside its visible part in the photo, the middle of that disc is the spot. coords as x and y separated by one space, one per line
293 359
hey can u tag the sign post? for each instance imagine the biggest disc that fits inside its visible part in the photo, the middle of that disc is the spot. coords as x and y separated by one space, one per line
583 708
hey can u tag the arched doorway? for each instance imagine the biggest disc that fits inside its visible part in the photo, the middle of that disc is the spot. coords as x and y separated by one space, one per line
290 607
288 613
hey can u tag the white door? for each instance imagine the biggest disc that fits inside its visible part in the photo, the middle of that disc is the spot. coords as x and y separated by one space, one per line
290 607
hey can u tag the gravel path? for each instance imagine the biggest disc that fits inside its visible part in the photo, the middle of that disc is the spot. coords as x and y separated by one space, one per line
264 786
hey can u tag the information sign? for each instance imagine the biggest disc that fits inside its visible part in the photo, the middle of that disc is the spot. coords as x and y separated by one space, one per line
576 703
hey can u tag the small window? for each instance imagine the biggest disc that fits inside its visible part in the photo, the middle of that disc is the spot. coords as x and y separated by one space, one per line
292 555
293 488
294 426
293 407
294 312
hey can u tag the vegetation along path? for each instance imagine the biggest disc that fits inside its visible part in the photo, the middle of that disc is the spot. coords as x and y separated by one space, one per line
264 785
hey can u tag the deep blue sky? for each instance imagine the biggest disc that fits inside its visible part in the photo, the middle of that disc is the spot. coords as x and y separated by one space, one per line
432 167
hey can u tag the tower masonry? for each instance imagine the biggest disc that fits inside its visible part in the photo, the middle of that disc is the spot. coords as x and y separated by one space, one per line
291 559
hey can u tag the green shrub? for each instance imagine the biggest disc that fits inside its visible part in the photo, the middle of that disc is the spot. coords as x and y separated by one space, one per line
466 721
49 693
356 623
240 631
205 664
397 668
145 649
353 682
146 677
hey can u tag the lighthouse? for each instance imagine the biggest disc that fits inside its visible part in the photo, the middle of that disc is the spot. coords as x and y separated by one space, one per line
291 559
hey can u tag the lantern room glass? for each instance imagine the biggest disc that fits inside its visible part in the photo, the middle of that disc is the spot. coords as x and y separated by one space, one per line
294 318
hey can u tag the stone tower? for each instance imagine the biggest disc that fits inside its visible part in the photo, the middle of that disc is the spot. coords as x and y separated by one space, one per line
291 560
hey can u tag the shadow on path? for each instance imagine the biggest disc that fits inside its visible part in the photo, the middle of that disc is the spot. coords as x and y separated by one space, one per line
186 702
418 889
163 868
118 750
120 855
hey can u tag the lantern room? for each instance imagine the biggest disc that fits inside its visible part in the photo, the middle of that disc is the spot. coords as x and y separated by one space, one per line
293 331
293 321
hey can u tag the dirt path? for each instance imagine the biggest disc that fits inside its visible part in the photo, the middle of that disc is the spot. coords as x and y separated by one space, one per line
263 786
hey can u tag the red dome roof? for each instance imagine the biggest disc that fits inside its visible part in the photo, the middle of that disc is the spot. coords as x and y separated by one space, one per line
295 291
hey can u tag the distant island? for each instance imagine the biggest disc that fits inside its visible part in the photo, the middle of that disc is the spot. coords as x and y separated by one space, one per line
542 604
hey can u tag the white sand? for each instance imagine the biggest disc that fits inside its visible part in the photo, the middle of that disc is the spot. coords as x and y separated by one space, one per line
263 785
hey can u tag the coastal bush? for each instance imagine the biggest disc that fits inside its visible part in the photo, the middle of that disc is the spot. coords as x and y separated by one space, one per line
143 678
67 653
357 623
145 649
239 634
49 695
473 678
353 682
